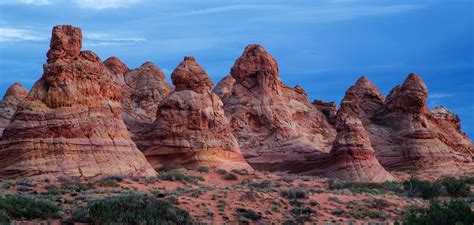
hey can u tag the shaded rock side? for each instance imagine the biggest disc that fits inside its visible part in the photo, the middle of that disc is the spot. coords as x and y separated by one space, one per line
191 127
70 124
14 94
274 123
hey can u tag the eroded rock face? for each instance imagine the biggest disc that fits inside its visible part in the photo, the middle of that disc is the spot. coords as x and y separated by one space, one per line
118 68
274 123
224 88
146 87
190 126
71 123
352 157
329 109
404 133
11 99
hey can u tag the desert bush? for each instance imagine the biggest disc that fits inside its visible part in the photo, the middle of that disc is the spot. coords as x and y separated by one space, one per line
249 214
7 184
456 187
370 188
452 213
294 193
302 215
264 185
231 176
168 168
360 212
75 186
221 171
26 182
423 188
132 209
51 190
203 169
15 207
180 177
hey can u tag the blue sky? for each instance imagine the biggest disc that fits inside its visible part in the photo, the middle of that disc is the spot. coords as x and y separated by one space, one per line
322 45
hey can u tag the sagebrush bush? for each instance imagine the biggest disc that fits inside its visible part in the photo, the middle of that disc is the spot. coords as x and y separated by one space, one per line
180 177
249 214
169 167
132 209
455 212
456 187
15 207
294 193
231 176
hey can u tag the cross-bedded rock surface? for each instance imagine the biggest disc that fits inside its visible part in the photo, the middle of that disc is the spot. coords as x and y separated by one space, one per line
275 124
404 133
71 123
190 126
14 94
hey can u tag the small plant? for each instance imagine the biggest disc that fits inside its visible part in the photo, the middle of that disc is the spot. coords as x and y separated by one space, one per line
231 176
203 169
221 171
302 214
294 193
221 204
456 187
180 177
168 168
7 184
360 212
132 209
249 214
51 190
313 203
26 182
75 186
264 185
15 207
425 189
452 213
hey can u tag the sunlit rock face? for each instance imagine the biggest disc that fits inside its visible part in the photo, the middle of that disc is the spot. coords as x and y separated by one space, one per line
276 126
190 127
70 124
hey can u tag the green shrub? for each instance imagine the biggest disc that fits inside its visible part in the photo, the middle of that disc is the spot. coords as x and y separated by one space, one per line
231 176
360 212
451 213
26 182
264 185
75 186
221 171
302 214
294 193
423 188
180 177
51 190
370 188
132 209
7 184
456 187
249 214
203 169
169 167
15 207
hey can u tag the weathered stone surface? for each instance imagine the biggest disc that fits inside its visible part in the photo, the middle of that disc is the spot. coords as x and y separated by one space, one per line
190 126
70 124
224 88
329 109
404 133
352 157
118 68
146 87
14 94
274 123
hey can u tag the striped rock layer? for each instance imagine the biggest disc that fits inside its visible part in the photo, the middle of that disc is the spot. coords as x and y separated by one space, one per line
71 123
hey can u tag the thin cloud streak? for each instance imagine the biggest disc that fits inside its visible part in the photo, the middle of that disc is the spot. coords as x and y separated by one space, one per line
13 34
440 95
105 4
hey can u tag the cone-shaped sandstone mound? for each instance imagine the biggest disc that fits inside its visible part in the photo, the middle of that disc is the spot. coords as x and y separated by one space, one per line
352 157
190 126
404 133
70 124
276 125
11 99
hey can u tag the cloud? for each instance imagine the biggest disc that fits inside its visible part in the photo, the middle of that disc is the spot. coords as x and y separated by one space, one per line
102 39
440 95
13 34
105 4
27 2
230 8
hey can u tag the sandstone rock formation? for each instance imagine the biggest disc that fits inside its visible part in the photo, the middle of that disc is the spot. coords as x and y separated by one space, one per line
70 124
11 99
404 133
190 126
352 157
118 68
275 124
224 87
329 109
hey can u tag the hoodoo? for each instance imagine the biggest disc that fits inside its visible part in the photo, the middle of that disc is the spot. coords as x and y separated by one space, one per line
11 99
276 125
190 126
71 123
